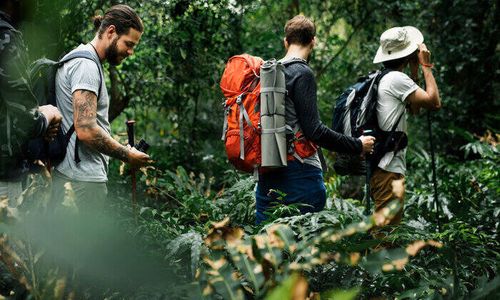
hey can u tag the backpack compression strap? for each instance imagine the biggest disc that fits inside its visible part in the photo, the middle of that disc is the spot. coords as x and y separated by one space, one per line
86 55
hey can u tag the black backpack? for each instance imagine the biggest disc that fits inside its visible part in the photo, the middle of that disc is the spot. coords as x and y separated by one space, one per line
354 115
42 80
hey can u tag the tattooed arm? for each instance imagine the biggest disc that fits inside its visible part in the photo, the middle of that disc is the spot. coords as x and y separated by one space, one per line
87 130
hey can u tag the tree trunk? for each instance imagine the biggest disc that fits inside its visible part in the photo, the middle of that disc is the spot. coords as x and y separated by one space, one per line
118 101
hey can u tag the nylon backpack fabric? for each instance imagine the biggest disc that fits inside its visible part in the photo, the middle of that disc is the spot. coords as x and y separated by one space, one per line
241 85
355 113
42 78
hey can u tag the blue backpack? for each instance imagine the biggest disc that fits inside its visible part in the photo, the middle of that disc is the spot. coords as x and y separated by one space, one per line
354 115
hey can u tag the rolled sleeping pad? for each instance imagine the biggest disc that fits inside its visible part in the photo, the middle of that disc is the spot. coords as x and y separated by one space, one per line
272 114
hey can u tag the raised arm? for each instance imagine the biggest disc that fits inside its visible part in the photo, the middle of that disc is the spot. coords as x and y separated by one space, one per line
428 98
92 135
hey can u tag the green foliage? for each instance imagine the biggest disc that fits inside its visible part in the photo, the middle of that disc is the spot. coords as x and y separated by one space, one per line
341 295
256 264
170 87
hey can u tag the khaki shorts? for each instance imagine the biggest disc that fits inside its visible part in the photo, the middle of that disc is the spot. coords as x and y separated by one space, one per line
381 190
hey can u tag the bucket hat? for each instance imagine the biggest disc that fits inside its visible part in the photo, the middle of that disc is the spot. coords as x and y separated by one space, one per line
398 42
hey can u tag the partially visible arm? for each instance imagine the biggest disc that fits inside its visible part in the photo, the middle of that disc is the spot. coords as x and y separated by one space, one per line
428 99
307 112
87 129
54 118
90 133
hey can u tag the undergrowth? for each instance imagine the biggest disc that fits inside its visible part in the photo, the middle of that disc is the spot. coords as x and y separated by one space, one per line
445 249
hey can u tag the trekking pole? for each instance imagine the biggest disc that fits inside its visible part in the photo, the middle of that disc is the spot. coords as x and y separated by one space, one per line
367 179
131 138
367 189
433 162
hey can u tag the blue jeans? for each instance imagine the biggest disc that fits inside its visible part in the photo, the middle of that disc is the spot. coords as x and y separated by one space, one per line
302 183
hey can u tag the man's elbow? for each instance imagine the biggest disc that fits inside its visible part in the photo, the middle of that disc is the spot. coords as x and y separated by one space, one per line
432 103
436 105
84 134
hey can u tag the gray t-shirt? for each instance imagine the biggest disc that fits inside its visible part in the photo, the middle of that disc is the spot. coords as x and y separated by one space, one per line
82 74
393 90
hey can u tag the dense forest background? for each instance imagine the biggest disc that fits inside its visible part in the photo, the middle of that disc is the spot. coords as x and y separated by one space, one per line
171 88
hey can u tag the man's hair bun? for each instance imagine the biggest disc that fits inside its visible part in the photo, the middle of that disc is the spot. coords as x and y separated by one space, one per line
97 22
122 17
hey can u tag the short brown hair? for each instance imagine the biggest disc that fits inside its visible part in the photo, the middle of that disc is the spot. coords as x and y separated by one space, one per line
300 30
123 17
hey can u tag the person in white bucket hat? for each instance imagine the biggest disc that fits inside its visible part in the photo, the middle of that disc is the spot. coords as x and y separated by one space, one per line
398 42
400 47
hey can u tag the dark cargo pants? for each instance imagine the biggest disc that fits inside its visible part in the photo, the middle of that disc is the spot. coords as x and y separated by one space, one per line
78 196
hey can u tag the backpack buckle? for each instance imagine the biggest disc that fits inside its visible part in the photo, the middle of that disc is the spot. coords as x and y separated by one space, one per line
238 99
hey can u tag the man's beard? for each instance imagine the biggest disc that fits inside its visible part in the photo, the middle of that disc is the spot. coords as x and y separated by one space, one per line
112 55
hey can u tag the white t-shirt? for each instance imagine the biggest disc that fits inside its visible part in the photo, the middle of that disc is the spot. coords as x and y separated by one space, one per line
393 90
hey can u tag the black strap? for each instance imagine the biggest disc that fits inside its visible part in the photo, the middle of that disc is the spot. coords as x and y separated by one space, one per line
384 72
379 77
322 160
71 56
68 137
393 129
86 55
370 166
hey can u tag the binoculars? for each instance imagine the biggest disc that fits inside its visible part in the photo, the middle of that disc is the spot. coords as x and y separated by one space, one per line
142 146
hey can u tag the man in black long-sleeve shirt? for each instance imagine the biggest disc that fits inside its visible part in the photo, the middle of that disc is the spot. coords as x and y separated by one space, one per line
302 181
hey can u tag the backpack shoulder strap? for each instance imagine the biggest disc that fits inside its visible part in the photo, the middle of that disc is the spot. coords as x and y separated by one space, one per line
393 129
71 56
78 54
384 72
86 55
381 74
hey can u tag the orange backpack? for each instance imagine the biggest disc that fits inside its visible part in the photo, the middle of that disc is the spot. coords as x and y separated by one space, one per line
240 85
